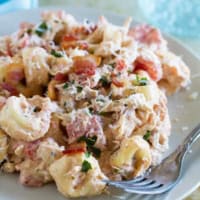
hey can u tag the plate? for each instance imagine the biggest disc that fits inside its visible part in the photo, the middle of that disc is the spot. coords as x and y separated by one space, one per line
180 107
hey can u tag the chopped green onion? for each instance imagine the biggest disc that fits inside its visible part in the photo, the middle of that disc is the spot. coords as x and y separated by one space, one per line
86 166
79 89
147 135
90 141
57 54
66 85
41 29
141 81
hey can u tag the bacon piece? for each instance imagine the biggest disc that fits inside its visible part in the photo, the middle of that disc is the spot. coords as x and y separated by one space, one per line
76 148
83 125
30 149
120 65
86 64
154 71
10 88
60 77
117 83
146 34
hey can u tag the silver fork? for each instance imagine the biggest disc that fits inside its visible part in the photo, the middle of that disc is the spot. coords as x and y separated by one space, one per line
163 177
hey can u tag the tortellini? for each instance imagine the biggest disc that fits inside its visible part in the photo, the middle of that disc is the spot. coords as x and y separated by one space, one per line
71 181
26 119
35 65
34 168
135 152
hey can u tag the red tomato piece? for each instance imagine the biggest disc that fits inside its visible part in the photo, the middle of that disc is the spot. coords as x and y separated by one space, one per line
153 70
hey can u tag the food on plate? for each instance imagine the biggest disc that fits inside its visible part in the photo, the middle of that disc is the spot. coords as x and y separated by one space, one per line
81 102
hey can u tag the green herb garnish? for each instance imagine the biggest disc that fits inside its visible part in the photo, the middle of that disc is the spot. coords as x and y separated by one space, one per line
86 166
147 135
41 29
90 141
79 89
141 81
104 81
57 54
66 85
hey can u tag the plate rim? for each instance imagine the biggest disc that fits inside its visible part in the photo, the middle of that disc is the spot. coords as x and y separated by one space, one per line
113 15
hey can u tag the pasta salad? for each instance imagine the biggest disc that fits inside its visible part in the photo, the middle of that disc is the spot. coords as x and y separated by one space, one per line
82 102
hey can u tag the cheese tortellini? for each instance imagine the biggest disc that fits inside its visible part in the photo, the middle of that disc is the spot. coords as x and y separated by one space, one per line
71 181
26 119
135 152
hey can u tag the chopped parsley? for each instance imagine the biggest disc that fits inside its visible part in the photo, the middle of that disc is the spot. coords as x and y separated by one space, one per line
86 166
104 81
90 141
79 89
147 135
41 29
57 54
141 81
66 85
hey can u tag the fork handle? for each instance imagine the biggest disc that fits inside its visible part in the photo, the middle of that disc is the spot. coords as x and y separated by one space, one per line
183 149
191 138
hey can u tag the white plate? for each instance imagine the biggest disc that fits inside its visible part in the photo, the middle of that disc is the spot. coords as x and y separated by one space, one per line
179 106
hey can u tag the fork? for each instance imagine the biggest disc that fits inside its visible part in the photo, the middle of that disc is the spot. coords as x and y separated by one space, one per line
161 178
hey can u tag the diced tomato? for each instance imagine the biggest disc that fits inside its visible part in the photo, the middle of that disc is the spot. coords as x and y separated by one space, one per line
120 65
154 71
69 38
145 34
61 77
117 83
10 88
